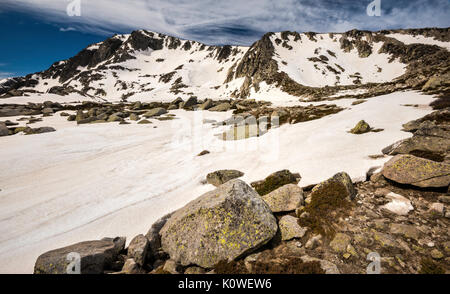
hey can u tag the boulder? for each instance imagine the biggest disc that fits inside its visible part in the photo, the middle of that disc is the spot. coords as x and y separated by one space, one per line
190 103
41 130
96 257
361 128
221 107
223 224
134 117
428 147
4 131
144 122
419 172
340 242
290 228
340 182
155 112
220 177
138 249
207 104
407 231
131 267
284 199
47 111
275 181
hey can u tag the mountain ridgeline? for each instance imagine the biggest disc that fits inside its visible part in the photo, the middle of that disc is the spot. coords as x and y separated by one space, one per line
147 65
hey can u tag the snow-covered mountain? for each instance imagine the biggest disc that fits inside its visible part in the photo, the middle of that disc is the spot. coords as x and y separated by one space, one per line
149 66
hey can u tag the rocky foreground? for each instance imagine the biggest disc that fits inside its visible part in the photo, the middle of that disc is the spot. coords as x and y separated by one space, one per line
274 226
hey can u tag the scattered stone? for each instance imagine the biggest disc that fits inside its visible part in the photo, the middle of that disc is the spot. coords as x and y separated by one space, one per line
194 270
221 107
398 205
436 254
223 224
437 209
290 228
419 172
131 267
274 181
340 243
96 256
361 128
155 112
171 267
4 131
284 199
41 130
408 231
329 267
138 249
204 152
134 117
313 242
444 199
220 177
144 122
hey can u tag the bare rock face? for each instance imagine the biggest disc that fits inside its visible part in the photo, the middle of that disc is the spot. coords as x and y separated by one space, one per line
96 257
220 225
419 172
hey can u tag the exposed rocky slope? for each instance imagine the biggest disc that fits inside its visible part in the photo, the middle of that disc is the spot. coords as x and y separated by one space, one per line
155 66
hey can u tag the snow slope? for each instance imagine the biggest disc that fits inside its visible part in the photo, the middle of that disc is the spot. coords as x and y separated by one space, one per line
93 181
295 62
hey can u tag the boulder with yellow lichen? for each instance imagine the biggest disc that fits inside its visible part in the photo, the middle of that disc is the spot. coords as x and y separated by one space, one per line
223 224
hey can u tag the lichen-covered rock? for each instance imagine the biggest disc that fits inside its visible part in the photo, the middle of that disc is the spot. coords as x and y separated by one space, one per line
284 199
419 172
138 249
340 242
342 180
361 128
290 228
220 177
223 224
274 181
96 256
155 112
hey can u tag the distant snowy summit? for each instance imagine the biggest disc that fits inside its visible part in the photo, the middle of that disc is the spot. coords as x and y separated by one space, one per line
148 66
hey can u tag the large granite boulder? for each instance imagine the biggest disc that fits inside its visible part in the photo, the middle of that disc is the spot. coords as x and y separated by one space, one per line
419 172
220 177
223 224
96 257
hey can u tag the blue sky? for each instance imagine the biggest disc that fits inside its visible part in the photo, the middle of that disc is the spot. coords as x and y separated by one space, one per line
36 33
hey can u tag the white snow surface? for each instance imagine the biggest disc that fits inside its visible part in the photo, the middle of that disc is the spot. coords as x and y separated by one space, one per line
92 181
419 39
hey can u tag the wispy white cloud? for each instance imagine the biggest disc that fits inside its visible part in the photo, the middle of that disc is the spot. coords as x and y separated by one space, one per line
68 29
236 21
